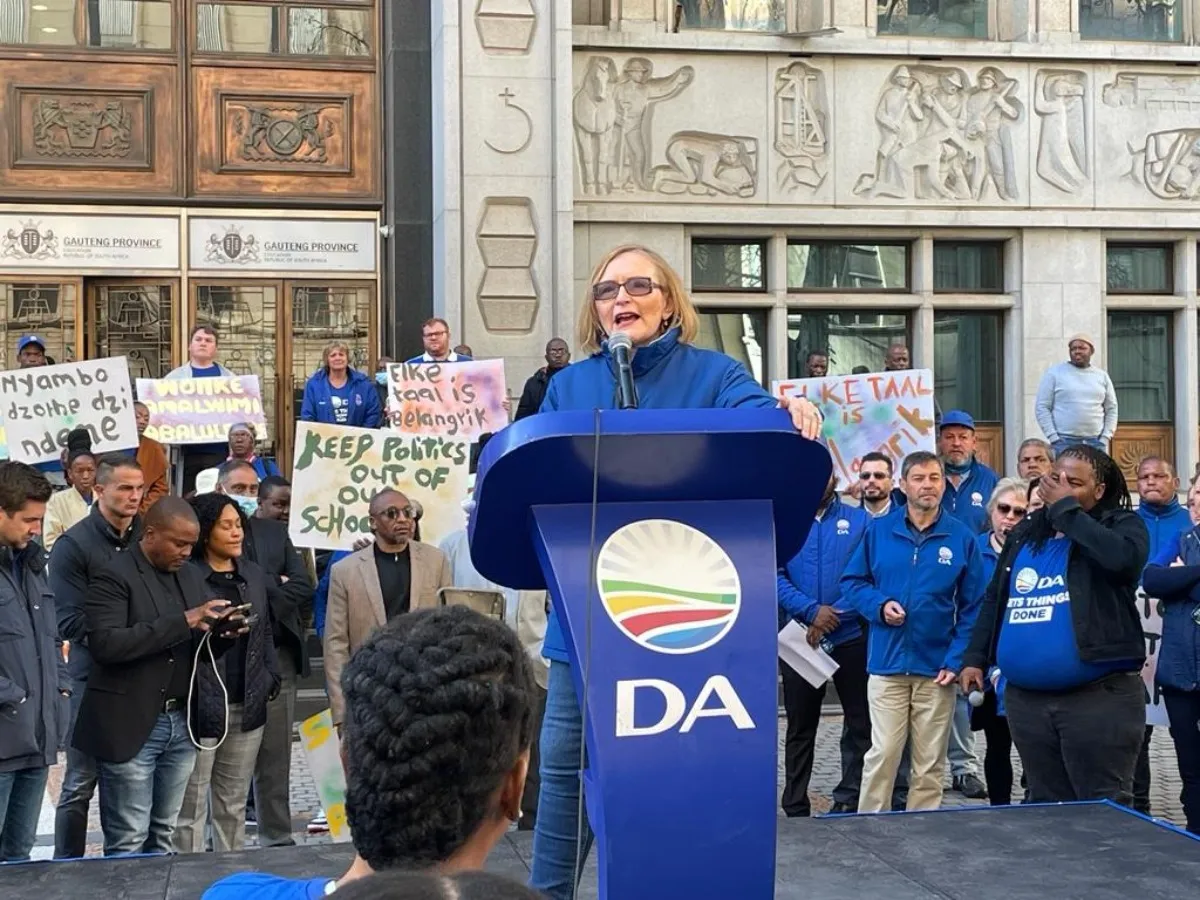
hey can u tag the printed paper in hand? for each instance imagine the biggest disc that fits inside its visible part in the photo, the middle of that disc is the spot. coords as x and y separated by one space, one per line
812 664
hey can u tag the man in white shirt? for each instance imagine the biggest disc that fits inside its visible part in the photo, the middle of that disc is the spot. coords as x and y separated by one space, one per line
435 335
1076 401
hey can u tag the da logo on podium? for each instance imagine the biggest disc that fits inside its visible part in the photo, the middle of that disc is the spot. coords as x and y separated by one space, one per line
670 588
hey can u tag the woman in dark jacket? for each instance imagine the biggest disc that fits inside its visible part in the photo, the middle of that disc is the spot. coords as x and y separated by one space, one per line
227 717
1060 620
1174 578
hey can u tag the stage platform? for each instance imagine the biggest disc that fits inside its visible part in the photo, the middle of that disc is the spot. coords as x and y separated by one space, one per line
1087 851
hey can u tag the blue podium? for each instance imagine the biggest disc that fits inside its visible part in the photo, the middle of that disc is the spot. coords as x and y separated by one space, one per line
658 534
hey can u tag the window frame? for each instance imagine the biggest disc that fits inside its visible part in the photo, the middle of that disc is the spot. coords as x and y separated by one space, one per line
993 26
718 308
285 59
1182 40
763 245
910 314
909 252
1170 316
79 44
999 314
1168 246
1000 245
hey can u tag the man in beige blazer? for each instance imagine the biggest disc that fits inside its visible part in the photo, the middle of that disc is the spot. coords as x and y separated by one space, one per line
393 575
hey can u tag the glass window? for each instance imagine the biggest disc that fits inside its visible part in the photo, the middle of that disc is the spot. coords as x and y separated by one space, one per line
929 18
853 341
832 266
728 266
742 335
258 29
110 24
970 267
46 309
1140 269
735 15
968 362
1140 364
1130 20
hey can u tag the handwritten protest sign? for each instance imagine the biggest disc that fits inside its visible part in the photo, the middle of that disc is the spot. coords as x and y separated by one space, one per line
321 746
888 412
201 410
41 405
1152 627
456 400
337 469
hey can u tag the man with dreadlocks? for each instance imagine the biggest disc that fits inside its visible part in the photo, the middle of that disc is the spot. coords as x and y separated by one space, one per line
1060 620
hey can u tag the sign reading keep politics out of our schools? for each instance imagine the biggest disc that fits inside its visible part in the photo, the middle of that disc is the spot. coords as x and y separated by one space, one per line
201 410
888 412
41 405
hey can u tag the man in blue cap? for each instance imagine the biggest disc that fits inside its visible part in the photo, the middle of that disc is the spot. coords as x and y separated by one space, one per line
31 351
969 483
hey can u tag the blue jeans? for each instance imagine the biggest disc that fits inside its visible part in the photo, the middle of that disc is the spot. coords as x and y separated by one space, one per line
140 799
1068 440
556 835
20 803
961 749
79 784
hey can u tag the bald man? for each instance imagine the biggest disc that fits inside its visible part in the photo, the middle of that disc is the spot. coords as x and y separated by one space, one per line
377 583
147 611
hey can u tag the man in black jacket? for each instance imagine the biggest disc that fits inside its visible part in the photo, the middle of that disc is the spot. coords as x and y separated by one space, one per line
147 612
110 528
1060 621
33 678
290 594
558 355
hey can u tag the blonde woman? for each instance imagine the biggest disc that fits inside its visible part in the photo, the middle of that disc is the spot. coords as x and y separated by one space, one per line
633 290
340 395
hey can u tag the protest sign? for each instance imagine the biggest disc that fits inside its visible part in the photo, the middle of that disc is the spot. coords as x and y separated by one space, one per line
322 749
888 412
201 410
337 469
461 400
41 405
1152 627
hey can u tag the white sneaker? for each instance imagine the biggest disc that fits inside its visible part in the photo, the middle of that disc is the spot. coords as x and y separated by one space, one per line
319 824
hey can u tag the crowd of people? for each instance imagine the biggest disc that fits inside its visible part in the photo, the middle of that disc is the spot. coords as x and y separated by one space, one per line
159 640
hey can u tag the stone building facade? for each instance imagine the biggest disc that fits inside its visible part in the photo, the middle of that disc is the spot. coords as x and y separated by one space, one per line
978 179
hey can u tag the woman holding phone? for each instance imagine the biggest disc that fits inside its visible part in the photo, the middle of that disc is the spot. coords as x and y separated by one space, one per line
227 722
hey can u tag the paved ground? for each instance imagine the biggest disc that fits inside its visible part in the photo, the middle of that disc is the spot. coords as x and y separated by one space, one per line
1164 789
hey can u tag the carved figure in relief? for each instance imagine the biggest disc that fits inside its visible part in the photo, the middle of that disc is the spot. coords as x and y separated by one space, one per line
1058 97
636 94
800 126
594 112
75 128
940 138
1169 164
709 164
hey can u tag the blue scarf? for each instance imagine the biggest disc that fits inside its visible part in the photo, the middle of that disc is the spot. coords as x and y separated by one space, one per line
964 469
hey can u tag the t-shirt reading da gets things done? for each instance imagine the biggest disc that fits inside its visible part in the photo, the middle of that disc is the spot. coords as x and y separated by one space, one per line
1037 649
259 886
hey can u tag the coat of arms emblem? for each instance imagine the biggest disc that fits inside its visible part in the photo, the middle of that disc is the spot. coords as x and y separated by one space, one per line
30 243
232 247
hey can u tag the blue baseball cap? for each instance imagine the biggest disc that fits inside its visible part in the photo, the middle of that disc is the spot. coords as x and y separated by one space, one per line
28 339
958 417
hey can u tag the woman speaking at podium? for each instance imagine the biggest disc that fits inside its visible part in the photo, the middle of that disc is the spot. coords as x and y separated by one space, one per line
632 290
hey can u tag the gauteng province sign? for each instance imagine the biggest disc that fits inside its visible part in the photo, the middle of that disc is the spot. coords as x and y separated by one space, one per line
888 412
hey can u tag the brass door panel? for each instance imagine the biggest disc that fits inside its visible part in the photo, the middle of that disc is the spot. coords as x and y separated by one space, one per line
45 306
134 319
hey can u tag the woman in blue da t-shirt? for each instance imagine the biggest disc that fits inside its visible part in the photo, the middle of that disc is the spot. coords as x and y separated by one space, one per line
1060 620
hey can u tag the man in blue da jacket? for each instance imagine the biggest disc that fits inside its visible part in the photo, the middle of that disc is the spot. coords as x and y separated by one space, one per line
810 592
917 577
969 483
1166 519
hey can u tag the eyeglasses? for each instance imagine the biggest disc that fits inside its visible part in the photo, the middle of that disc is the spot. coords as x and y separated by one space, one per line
392 513
877 476
435 334
638 286
1007 510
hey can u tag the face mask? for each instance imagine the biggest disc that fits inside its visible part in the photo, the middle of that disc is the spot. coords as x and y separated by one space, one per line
381 378
248 505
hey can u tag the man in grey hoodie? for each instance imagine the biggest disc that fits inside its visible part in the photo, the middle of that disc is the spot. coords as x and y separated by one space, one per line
1076 401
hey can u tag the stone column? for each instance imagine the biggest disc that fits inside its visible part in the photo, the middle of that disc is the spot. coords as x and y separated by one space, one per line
502 159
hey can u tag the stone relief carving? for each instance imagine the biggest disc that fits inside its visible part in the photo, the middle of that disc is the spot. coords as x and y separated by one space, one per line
612 117
283 133
708 164
1168 164
1058 99
505 26
942 138
523 116
82 127
1166 161
507 239
1153 93
801 118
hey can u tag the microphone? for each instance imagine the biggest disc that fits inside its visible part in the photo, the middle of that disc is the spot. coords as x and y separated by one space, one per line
975 698
621 348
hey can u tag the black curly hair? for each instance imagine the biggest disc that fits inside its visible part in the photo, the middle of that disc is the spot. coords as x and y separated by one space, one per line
399 885
208 509
439 707
1108 473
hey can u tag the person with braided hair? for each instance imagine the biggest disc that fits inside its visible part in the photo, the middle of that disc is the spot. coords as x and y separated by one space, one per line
439 716
1060 620
427 886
